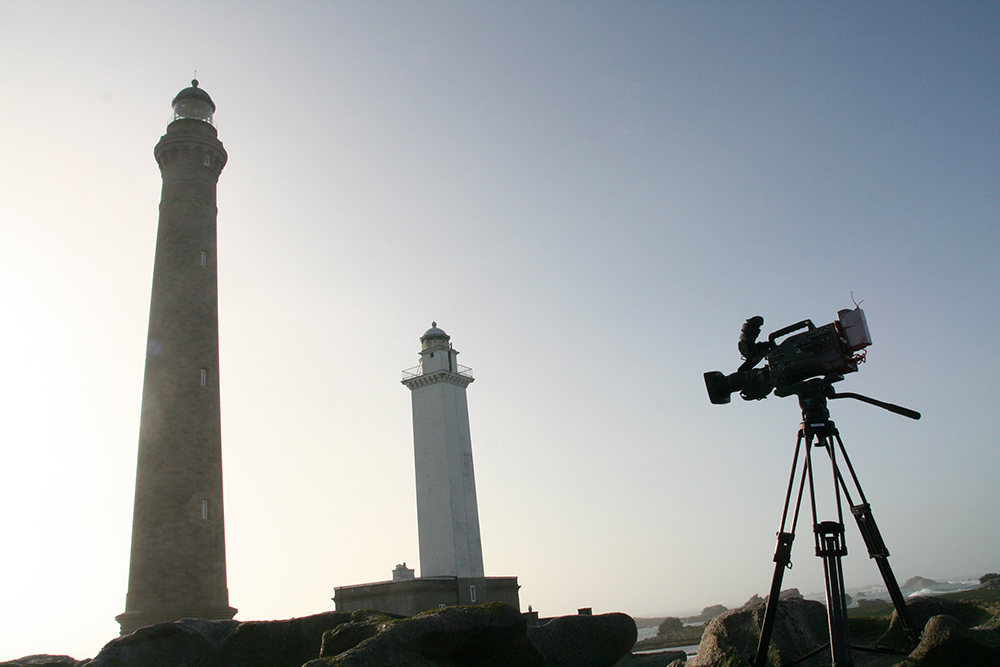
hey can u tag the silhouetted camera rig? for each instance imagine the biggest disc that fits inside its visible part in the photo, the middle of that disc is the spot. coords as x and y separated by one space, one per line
806 365
830 350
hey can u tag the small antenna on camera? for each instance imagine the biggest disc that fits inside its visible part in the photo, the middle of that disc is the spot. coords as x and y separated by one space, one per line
856 304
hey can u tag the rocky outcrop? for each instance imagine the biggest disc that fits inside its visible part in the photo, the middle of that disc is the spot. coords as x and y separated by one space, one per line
914 584
800 626
869 602
946 641
669 624
584 641
285 643
491 635
363 625
178 644
922 609
658 659
955 634
44 661
757 599
200 643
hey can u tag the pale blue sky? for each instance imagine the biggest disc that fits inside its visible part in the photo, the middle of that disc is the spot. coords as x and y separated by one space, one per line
590 198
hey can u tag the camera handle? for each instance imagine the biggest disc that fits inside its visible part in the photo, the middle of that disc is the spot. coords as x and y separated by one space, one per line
826 386
898 409
817 430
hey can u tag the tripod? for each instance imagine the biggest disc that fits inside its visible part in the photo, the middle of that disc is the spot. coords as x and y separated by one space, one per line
817 430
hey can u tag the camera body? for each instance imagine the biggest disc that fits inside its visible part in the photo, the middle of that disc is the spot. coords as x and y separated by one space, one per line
829 350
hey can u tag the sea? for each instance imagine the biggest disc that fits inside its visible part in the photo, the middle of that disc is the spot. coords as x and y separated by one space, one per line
879 591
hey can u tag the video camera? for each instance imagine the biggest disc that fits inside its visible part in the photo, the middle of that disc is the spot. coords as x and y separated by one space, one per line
830 350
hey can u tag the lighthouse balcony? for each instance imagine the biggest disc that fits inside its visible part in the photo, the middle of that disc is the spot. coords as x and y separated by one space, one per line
417 371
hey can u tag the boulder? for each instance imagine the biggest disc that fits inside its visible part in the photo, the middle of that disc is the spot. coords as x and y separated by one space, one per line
948 642
201 643
669 624
757 599
363 625
658 659
286 643
868 602
800 627
585 641
491 635
177 644
922 609
43 661
708 613
914 584
789 593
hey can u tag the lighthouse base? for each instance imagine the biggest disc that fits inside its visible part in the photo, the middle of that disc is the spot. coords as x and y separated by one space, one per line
413 596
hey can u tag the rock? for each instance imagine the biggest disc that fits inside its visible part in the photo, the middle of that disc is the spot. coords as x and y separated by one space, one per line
285 643
363 625
756 599
668 624
800 627
43 661
713 611
914 584
706 615
491 635
177 644
201 643
585 641
783 595
658 659
991 580
947 642
867 602
921 610
789 593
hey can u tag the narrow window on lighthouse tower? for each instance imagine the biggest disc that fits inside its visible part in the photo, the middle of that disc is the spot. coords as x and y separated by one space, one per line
204 509
204 377
204 259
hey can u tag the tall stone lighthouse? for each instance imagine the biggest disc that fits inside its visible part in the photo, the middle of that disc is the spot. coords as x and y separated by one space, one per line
447 513
178 558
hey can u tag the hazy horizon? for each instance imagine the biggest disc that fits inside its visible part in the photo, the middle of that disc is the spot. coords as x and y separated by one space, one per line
590 198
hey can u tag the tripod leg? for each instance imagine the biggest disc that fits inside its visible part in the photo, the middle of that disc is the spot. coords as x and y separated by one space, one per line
876 546
877 550
782 558
783 552
830 547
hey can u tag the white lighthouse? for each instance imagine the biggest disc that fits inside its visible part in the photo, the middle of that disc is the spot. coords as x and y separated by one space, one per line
447 513
451 551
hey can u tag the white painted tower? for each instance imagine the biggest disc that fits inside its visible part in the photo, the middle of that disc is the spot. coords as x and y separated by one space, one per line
447 512
451 551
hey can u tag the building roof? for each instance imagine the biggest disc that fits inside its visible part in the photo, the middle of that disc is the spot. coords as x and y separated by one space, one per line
194 92
434 332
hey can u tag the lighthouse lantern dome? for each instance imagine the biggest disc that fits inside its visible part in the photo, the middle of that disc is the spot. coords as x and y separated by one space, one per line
194 103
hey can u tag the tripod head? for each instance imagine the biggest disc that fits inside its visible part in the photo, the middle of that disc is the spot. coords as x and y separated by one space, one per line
814 393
